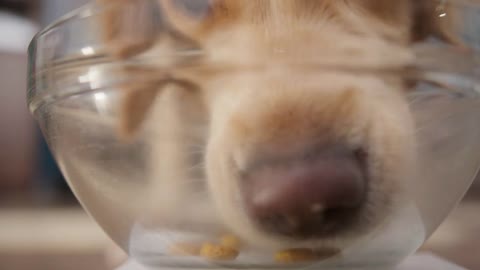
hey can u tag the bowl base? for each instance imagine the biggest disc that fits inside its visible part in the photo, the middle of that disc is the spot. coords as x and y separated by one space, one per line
420 261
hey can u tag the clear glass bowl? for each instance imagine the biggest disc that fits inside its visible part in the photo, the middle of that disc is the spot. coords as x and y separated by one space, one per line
263 135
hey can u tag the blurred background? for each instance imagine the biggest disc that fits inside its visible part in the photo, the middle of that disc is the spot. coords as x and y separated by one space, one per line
41 224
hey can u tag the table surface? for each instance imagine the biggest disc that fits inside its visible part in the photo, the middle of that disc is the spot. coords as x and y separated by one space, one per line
427 261
421 261
27 239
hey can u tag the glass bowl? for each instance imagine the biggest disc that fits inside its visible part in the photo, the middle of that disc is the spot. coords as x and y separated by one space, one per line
267 134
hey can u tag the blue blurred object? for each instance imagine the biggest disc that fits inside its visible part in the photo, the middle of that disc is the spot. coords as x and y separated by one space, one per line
49 176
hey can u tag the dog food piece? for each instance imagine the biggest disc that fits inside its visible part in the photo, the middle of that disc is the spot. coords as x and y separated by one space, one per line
230 241
298 255
185 249
295 255
218 252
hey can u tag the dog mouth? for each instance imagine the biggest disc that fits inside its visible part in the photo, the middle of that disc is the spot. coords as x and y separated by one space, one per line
317 194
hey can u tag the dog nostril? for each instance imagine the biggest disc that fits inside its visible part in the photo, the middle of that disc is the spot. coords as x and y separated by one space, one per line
361 155
307 197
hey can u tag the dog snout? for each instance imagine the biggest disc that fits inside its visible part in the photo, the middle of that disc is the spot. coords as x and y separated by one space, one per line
312 194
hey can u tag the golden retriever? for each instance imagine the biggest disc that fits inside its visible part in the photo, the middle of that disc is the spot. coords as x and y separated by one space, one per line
304 137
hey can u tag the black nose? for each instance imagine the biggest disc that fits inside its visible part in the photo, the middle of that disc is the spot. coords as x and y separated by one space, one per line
307 196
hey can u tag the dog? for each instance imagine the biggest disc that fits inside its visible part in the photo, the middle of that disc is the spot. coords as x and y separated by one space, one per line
267 127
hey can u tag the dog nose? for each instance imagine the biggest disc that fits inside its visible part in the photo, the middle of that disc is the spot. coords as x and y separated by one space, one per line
313 195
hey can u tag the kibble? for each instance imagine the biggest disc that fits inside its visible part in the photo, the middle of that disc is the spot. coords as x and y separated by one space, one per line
218 252
230 241
299 255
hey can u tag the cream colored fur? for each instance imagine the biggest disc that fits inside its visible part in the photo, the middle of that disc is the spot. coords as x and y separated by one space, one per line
276 76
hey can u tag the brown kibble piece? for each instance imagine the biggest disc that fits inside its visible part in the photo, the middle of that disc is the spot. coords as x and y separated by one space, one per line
218 252
295 255
299 255
230 241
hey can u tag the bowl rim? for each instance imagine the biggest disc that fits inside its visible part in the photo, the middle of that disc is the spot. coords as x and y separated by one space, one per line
38 64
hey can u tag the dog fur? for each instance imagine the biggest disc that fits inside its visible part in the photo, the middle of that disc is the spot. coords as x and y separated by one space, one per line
251 92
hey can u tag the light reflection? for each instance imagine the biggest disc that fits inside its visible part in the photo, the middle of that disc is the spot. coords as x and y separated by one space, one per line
93 76
101 102
88 51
